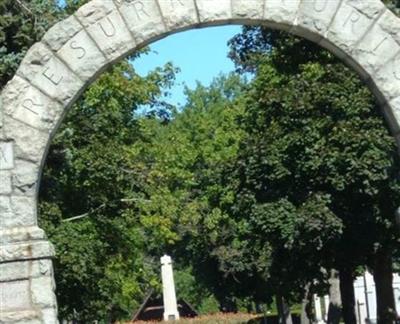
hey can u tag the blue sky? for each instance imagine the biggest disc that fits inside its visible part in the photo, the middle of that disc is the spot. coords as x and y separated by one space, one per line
201 54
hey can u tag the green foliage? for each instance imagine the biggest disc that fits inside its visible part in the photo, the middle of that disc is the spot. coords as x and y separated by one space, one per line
318 153
102 269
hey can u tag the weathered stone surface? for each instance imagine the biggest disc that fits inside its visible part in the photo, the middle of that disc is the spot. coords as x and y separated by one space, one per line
49 74
61 33
178 13
143 19
1 113
379 44
42 290
26 251
253 9
281 13
27 104
5 182
49 315
352 21
17 211
106 26
75 47
24 210
5 211
21 234
29 143
19 270
387 78
24 178
21 317
214 11
392 110
15 295
315 16
6 155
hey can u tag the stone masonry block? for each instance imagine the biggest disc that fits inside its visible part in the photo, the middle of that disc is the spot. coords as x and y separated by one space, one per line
253 9
281 13
49 315
352 21
387 78
28 143
379 44
392 112
46 72
21 317
17 211
25 177
178 14
7 155
21 234
42 290
26 251
144 19
27 104
14 295
105 25
5 182
217 12
315 16
73 45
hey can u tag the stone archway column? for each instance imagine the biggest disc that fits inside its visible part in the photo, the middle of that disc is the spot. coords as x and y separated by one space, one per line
26 277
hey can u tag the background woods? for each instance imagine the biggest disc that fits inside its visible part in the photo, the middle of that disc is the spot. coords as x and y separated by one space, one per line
267 185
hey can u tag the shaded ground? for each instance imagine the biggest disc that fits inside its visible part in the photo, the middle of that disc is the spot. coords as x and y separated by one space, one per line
227 318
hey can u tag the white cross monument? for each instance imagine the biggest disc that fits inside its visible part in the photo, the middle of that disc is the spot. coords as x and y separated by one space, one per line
169 296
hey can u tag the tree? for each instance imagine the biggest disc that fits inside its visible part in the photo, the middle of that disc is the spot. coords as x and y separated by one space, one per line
310 122
88 198
182 159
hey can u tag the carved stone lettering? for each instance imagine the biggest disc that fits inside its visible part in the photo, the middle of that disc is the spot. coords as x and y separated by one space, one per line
350 25
104 24
353 17
49 74
25 103
52 77
6 155
75 46
320 5
31 106
109 28
175 3
140 10
144 19
315 16
15 295
379 44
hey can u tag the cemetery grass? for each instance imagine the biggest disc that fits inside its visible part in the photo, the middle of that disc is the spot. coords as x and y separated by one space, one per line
218 318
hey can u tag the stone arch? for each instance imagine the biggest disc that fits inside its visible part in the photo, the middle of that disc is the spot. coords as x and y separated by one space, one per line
56 70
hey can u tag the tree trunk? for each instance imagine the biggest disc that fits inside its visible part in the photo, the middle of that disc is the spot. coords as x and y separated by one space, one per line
347 294
383 277
335 301
285 317
305 305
